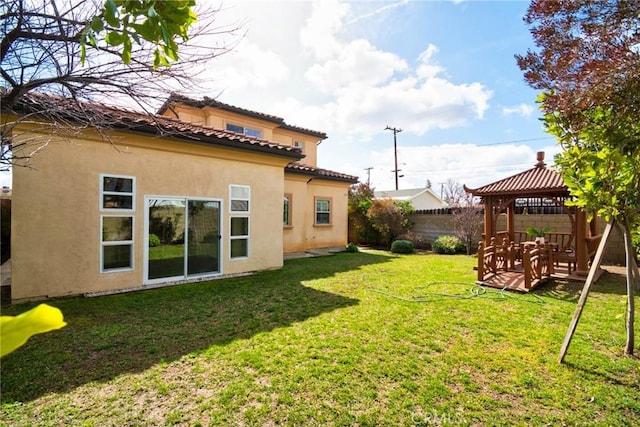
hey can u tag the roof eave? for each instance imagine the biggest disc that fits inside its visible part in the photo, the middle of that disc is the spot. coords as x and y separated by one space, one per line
147 129
523 193
317 175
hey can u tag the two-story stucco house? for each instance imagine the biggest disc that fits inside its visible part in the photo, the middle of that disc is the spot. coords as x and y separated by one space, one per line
200 190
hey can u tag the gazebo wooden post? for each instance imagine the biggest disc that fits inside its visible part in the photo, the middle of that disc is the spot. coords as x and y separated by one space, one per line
511 220
488 220
582 254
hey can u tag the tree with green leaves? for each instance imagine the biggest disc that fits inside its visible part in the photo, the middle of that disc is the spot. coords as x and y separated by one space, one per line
376 220
129 52
587 64
124 21
390 219
361 198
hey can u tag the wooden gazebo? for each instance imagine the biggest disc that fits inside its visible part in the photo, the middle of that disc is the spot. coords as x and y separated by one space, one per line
538 182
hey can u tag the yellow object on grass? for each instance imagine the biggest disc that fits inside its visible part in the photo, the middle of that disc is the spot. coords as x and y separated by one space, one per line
16 330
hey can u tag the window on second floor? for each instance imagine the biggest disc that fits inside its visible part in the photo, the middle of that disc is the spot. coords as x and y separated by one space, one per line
244 130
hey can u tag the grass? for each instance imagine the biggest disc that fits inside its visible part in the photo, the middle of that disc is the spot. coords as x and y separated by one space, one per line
334 340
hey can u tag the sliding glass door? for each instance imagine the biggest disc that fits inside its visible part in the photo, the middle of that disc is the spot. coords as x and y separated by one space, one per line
203 243
183 238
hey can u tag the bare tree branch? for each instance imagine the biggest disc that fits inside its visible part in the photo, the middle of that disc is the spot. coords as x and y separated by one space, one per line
40 53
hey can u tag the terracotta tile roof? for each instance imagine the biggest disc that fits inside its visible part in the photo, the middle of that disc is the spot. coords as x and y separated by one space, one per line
538 180
124 119
210 102
320 173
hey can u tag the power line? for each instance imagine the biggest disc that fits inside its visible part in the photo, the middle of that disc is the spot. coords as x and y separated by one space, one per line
515 141
443 145
491 168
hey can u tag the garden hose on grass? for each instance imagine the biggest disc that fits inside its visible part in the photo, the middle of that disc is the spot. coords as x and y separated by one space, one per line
475 291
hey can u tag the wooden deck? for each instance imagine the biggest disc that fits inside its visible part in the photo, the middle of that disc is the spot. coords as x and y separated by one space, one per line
514 279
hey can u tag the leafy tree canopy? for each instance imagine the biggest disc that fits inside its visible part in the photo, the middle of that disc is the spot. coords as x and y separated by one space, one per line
601 171
159 22
587 56
587 64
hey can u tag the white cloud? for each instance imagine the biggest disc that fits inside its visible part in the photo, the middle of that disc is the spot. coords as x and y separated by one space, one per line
369 86
318 34
523 110
357 63
426 70
250 66
469 164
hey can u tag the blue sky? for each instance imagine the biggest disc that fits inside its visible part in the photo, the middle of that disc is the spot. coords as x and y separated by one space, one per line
443 71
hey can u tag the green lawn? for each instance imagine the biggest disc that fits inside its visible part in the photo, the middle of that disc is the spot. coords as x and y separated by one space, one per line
350 339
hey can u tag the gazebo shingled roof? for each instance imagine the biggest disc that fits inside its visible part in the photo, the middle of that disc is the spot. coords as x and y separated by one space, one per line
539 181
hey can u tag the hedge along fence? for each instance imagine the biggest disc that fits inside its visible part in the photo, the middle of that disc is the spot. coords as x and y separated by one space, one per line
431 224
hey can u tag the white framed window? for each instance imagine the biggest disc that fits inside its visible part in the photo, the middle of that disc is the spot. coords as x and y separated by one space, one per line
298 144
323 211
255 133
117 193
116 243
239 237
239 196
286 210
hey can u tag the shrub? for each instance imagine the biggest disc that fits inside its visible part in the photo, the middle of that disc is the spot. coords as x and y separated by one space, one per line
416 238
351 247
153 240
449 245
402 247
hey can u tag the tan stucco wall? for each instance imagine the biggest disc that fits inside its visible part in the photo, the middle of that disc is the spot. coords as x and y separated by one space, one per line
304 234
310 149
218 119
301 212
56 217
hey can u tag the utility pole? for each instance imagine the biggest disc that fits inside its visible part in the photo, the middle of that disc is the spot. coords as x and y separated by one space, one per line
395 150
368 175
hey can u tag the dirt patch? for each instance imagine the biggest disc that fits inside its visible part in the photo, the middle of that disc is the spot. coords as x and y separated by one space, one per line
616 269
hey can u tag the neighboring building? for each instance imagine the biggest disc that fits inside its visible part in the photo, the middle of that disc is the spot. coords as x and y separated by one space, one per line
201 190
420 198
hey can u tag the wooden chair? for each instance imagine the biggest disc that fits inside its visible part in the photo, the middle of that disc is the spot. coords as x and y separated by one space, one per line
564 251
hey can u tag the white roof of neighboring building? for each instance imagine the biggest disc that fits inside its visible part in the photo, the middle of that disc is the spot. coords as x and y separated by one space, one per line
412 195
